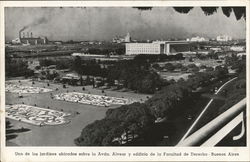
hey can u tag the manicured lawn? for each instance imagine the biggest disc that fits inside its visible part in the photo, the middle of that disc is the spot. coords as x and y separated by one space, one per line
60 135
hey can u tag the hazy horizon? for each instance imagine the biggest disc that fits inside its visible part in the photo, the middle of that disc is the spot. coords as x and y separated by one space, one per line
104 23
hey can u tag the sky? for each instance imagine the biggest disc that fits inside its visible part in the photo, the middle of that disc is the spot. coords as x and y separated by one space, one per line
104 23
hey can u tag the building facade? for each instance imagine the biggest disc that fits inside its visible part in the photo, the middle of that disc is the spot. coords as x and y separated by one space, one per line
223 38
34 41
144 48
196 39
28 39
157 47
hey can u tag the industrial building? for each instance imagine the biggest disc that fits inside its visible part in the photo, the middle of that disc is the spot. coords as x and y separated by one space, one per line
157 47
28 39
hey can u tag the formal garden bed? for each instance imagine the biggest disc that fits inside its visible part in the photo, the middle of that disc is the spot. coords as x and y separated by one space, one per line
35 115
91 99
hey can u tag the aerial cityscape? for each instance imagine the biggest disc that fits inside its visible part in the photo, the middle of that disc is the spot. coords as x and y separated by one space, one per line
125 76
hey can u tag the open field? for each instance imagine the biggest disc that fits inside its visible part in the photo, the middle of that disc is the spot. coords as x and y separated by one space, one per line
60 135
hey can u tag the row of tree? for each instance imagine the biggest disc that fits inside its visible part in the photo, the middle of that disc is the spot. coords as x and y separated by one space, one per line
128 119
17 68
137 120
60 64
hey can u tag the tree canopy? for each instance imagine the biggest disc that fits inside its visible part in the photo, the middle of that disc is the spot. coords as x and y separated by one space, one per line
134 118
239 12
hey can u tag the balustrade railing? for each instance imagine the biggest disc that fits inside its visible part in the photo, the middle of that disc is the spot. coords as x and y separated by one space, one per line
214 131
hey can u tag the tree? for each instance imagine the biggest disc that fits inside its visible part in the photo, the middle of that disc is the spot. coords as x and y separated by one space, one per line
12 133
156 66
135 75
220 72
63 64
95 133
51 75
169 66
77 65
81 81
150 83
129 119
238 11
179 56
16 68
170 99
46 62
178 66
131 113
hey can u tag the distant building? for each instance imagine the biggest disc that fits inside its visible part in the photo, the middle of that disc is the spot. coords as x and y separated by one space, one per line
58 42
127 38
144 48
238 48
174 47
28 39
157 47
16 41
196 39
241 54
223 38
119 39
216 49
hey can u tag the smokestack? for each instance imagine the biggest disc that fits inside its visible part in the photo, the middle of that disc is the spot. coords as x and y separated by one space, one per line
31 34
20 32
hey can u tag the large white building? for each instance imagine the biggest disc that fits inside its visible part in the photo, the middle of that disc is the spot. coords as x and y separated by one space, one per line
144 48
157 47
238 48
196 39
223 38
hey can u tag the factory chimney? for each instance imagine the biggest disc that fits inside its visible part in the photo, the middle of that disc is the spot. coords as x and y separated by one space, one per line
30 34
20 32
